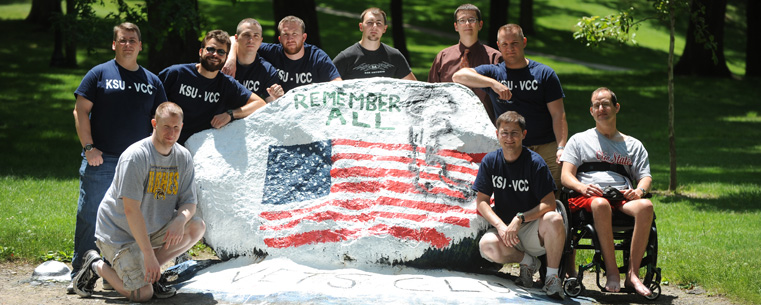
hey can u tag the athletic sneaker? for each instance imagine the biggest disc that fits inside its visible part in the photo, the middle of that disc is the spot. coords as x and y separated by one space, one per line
526 277
554 287
70 288
84 280
163 292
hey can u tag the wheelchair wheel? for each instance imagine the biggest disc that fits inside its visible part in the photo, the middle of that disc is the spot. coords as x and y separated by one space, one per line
655 288
573 287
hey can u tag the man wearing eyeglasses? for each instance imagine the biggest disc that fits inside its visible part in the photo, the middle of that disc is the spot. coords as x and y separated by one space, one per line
370 57
528 87
606 148
112 111
254 72
208 98
297 63
468 53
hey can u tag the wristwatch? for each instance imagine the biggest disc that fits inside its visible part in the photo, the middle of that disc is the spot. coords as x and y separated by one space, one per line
644 192
88 147
521 217
230 113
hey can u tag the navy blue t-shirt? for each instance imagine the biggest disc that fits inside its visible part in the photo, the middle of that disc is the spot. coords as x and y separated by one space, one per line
517 186
201 98
533 87
257 77
314 67
123 101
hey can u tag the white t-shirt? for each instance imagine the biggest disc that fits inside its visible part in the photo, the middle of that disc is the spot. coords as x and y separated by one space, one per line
591 146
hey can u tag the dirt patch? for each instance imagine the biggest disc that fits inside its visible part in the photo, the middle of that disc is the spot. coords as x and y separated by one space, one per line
16 288
669 294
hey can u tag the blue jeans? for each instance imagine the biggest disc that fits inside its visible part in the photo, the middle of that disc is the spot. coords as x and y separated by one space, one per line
94 181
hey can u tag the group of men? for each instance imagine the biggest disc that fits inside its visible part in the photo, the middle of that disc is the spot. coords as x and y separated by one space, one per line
137 196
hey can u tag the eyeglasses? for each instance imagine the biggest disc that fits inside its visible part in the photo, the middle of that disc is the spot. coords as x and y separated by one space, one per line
466 21
219 52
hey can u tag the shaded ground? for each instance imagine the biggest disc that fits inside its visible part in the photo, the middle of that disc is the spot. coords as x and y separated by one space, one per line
16 288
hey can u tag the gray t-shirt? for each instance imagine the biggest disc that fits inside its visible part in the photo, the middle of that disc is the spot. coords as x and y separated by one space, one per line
591 146
161 184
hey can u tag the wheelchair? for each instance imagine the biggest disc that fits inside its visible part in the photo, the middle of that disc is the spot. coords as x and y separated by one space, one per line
580 226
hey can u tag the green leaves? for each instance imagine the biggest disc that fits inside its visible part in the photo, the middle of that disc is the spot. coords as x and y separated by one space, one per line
594 30
61 256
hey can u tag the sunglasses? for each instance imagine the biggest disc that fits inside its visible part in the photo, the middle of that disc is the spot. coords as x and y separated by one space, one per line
219 52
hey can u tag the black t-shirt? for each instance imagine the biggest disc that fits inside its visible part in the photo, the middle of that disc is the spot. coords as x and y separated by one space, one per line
358 62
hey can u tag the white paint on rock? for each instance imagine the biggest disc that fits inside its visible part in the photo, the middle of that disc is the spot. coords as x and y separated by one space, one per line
245 280
246 211
54 271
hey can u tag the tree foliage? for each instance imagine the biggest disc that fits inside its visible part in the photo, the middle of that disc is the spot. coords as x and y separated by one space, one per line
621 27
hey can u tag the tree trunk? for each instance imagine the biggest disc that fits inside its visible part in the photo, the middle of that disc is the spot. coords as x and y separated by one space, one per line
672 135
527 17
174 30
57 59
397 29
304 9
43 11
753 47
497 18
69 39
696 58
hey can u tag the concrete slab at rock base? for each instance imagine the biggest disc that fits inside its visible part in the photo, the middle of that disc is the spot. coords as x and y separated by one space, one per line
281 281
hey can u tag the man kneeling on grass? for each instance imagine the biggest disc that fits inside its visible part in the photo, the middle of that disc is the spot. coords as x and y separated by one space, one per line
146 218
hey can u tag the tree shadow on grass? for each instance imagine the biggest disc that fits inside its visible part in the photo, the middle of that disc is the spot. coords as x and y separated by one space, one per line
741 202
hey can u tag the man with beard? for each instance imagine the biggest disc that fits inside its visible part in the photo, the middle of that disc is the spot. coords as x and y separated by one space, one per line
298 63
208 98
370 57
254 72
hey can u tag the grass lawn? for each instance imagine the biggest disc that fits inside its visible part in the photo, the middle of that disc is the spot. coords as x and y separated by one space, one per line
707 231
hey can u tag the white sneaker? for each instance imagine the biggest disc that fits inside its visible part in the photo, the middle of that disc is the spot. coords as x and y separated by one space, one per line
554 288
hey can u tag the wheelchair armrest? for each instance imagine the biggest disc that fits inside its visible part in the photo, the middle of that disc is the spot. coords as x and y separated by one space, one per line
571 193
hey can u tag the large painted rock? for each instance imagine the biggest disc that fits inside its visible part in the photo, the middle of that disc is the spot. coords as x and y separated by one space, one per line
365 171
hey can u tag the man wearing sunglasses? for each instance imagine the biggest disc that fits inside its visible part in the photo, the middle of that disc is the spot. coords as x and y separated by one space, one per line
469 52
370 57
528 87
208 98
297 63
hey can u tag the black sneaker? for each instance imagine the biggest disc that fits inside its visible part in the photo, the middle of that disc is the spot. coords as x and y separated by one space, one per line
162 292
84 280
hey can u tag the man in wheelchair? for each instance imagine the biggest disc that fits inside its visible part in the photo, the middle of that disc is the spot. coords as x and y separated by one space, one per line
524 218
597 164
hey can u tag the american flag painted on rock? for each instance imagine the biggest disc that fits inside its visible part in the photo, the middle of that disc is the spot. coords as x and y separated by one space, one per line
371 188
373 171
